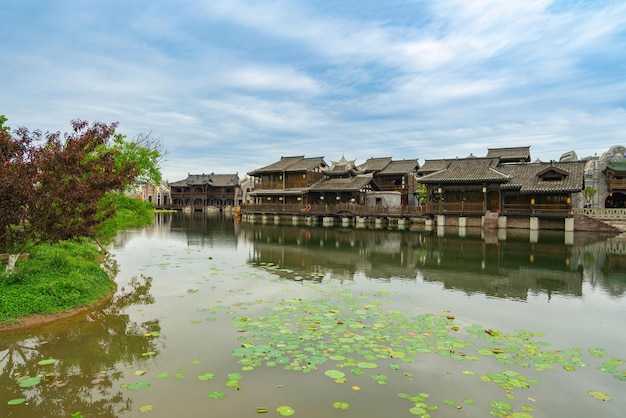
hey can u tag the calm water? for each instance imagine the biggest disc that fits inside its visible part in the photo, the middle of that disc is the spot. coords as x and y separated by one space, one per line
446 323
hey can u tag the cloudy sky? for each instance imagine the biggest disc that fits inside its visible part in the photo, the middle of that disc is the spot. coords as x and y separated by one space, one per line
232 85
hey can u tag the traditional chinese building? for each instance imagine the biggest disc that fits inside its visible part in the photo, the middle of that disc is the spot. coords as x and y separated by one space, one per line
203 191
287 181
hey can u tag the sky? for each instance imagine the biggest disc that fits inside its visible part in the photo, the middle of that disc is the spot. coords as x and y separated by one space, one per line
229 86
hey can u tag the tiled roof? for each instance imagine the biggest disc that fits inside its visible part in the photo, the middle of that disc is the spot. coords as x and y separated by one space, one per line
307 164
375 164
351 184
400 167
431 166
295 163
467 170
527 178
616 165
509 154
218 180
224 180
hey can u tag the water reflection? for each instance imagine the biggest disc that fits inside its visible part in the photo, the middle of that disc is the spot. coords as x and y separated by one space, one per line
475 262
93 345
206 273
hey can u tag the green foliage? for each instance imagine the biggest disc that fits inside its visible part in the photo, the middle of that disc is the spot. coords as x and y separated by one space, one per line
143 153
54 187
55 278
3 119
422 193
588 193
130 213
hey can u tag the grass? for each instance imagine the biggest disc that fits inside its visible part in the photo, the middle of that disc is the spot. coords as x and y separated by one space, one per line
55 278
69 274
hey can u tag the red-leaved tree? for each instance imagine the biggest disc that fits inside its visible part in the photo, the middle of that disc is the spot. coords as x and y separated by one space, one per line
50 185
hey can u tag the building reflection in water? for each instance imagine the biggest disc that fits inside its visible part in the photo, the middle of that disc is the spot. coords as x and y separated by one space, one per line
511 265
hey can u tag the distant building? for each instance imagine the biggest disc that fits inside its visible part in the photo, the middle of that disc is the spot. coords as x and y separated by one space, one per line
159 195
204 191
607 174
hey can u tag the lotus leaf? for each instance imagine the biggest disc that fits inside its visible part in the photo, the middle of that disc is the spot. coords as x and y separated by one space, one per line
138 386
285 410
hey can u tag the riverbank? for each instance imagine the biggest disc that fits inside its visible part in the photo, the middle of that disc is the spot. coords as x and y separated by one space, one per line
55 281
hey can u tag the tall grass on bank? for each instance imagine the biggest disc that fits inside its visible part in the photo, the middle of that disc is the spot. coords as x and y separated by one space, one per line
55 278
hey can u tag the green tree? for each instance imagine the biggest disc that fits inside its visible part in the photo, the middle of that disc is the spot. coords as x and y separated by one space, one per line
52 186
588 194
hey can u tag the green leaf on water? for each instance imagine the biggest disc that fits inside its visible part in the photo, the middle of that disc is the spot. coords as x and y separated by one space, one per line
599 395
285 410
334 374
380 378
417 410
47 361
17 401
366 365
597 352
217 395
30 381
501 405
394 366
341 405
138 386
206 376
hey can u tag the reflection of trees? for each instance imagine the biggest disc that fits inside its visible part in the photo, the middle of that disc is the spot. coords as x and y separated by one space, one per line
88 346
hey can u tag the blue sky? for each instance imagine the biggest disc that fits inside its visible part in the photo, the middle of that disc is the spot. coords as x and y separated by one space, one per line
232 85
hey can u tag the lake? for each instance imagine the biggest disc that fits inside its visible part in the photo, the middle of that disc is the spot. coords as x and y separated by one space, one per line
214 318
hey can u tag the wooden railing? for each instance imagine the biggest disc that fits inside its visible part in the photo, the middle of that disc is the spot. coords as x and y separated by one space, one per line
462 207
430 208
330 209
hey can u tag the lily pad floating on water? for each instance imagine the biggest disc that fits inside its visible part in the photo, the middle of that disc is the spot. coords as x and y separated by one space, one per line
47 361
599 395
417 410
30 381
217 395
285 410
17 401
334 374
146 408
597 352
380 378
341 405
206 376
501 405
138 386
